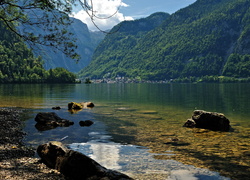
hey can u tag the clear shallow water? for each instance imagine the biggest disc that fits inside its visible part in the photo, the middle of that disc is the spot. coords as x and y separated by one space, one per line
134 122
114 152
137 162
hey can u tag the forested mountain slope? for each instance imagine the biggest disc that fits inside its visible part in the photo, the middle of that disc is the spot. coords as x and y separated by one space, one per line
207 38
18 64
123 38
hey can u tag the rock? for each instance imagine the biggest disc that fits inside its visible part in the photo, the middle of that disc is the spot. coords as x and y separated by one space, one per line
86 123
208 120
74 105
50 120
89 104
56 108
75 165
190 123
79 106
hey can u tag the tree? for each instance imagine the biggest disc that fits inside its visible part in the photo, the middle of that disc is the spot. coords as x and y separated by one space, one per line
51 17
61 75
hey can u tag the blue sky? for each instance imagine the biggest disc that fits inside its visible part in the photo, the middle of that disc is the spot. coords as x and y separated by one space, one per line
142 8
127 10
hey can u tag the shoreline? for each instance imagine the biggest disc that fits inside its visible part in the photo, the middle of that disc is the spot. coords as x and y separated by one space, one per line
17 161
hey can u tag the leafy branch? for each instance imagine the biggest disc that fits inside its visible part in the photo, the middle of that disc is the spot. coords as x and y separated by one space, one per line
45 22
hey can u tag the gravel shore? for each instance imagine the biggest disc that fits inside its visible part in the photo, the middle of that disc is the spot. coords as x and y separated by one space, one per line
16 160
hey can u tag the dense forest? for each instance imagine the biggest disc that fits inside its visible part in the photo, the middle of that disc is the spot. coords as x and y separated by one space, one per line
209 39
18 64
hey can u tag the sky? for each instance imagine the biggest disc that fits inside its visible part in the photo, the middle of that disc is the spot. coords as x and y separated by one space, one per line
125 10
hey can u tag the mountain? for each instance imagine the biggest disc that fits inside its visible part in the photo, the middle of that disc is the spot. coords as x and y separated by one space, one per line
19 65
86 42
122 39
207 38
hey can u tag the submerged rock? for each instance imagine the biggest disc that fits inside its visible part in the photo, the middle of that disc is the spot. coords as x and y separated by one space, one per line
86 123
50 120
56 108
75 165
208 120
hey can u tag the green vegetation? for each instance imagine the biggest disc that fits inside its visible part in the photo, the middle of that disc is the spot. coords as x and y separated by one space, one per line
60 75
211 79
111 51
209 38
18 64
237 65
41 22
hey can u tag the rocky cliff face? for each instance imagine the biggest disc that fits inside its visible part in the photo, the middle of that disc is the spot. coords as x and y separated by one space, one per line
86 42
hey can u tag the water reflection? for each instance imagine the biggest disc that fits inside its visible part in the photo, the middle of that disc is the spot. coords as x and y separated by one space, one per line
102 150
137 162
147 115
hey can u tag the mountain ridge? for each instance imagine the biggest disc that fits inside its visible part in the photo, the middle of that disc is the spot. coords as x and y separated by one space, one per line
86 42
199 40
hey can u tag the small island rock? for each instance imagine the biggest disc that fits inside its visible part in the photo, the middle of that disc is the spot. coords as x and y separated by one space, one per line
208 120
50 120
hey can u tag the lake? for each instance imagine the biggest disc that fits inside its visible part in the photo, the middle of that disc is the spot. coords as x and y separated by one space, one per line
135 123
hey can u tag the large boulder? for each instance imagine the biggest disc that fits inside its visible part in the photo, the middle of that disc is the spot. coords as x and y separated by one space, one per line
208 120
50 120
75 165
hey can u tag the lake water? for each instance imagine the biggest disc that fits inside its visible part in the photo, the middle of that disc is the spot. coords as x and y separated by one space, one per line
134 125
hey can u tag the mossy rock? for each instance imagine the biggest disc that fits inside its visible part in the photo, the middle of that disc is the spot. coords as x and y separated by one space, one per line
74 105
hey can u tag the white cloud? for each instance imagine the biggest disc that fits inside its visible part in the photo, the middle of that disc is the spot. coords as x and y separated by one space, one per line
102 10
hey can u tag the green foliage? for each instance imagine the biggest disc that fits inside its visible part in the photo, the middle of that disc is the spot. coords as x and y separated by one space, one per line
28 18
60 75
211 79
18 64
110 52
237 65
201 40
